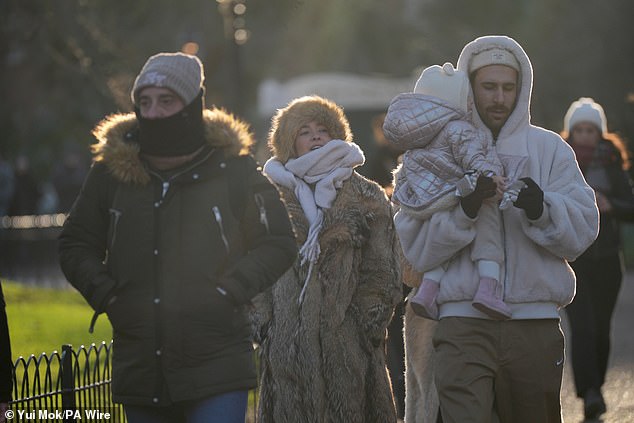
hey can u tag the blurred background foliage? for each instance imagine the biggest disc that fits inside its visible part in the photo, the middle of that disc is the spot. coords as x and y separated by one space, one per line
67 63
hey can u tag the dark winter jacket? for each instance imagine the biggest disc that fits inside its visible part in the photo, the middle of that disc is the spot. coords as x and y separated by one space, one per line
605 174
174 261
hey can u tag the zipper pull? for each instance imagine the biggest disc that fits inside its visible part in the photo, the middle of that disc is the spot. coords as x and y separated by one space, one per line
259 200
116 215
218 217
166 186
93 321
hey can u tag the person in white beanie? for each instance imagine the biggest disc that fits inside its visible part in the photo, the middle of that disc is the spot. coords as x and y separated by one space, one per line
448 159
511 369
174 231
322 326
604 161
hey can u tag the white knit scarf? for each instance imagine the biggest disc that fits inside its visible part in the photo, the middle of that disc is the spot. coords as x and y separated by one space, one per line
323 169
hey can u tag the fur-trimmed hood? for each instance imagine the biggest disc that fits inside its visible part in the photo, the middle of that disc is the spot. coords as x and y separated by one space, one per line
118 150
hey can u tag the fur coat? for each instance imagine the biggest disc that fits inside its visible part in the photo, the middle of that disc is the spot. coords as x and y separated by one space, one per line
324 360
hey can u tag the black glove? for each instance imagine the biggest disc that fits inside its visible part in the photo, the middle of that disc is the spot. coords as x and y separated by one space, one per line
485 188
531 199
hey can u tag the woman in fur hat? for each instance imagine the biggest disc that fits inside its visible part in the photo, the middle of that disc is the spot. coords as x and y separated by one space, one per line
322 326
174 231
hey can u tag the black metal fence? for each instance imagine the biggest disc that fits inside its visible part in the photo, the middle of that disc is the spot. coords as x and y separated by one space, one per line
65 387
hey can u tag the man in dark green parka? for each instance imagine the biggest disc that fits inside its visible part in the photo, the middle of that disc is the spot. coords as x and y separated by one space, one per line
173 233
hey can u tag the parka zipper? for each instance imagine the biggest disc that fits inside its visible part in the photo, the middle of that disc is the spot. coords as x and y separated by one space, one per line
166 184
259 200
218 217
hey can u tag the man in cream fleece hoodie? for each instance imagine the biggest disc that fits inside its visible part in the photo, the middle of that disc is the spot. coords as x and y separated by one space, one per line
510 368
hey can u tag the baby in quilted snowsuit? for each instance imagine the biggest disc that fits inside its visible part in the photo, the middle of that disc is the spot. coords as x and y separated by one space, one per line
445 156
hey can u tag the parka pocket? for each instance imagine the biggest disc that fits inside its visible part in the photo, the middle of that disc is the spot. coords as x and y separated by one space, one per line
211 323
131 313
214 313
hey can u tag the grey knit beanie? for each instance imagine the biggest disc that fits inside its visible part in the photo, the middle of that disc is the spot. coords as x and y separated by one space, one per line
180 72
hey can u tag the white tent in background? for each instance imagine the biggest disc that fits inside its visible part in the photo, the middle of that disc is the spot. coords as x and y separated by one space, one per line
351 91
363 97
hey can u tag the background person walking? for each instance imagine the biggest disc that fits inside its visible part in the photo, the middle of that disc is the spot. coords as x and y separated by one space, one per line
604 160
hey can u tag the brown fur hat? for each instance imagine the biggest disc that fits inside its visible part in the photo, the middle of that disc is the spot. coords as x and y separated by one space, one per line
288 121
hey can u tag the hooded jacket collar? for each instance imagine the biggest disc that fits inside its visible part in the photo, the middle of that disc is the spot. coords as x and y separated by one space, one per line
118 148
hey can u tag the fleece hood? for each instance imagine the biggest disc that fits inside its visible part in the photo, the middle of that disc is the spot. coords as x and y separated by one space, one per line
118 146
513 133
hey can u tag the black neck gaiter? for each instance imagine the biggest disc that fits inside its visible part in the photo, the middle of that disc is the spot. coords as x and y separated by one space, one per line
176 135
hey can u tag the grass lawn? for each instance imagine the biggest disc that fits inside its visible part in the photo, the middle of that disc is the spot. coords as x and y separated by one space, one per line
43 319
